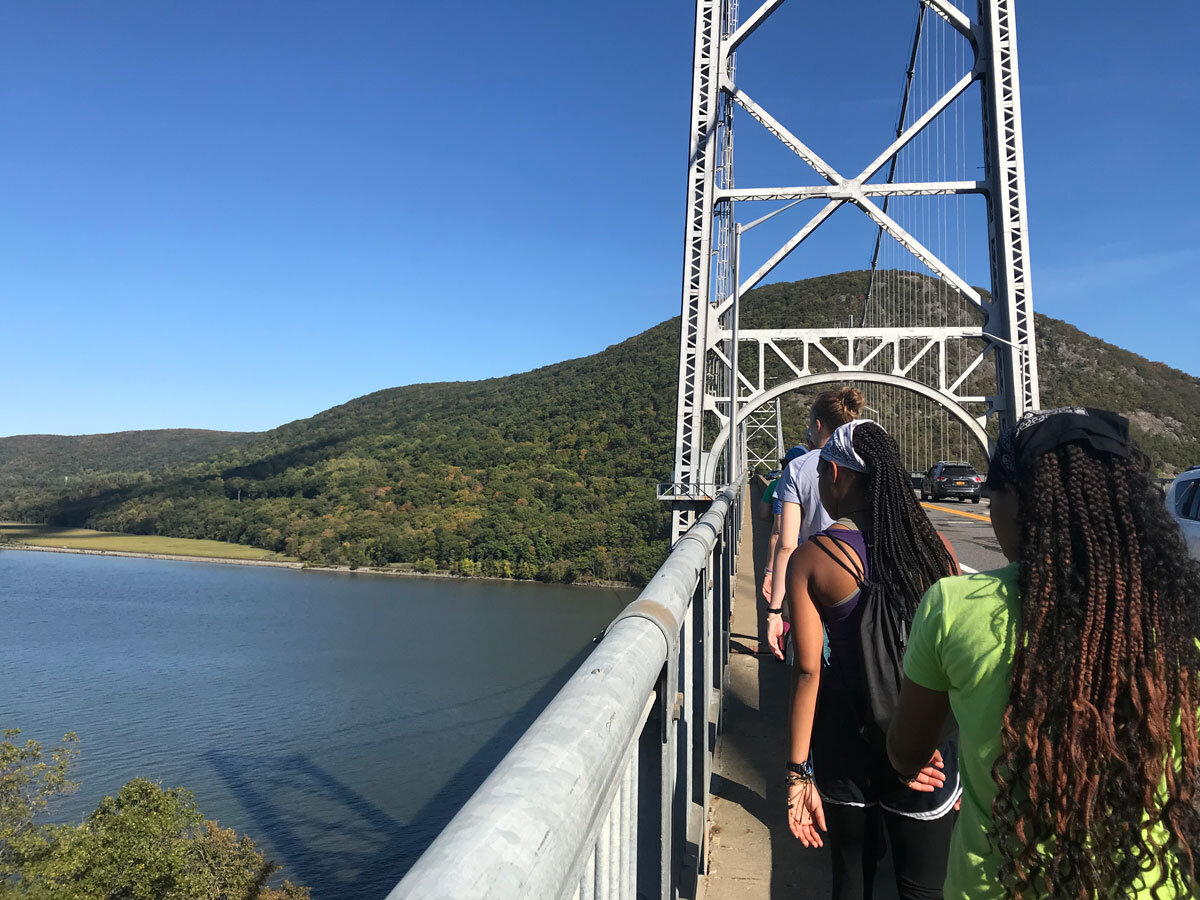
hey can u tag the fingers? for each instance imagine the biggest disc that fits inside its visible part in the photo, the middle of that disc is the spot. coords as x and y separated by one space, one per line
928 780
931 777
799 824
805 815
802 831
809 837
777 647
935 778
775 637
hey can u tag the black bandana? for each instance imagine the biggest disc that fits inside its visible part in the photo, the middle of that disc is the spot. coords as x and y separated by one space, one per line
1041 431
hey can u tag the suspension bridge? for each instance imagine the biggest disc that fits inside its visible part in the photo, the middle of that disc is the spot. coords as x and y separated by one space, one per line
651 773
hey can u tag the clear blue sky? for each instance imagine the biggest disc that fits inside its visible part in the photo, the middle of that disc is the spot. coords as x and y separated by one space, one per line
234 214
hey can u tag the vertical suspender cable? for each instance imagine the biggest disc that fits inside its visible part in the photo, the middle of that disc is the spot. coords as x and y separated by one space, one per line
891 176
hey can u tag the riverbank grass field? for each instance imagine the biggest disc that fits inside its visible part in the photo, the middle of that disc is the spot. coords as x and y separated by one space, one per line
14 533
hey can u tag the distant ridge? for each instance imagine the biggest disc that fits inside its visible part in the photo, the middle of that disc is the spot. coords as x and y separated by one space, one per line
33 459
548 474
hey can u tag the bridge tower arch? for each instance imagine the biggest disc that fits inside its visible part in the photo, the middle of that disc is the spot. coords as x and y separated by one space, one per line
714 459
940 361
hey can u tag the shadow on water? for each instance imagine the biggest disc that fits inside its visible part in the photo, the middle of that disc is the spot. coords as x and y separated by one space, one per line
339 842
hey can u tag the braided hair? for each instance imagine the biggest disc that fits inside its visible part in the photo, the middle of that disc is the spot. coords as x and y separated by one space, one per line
907 555
1091 794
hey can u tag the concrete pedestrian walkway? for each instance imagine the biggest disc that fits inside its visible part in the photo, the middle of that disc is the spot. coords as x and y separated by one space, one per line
752 854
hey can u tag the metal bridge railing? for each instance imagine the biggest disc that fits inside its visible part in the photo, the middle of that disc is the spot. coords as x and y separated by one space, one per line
606 795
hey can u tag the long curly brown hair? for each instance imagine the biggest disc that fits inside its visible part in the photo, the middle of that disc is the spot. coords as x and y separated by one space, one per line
1104 689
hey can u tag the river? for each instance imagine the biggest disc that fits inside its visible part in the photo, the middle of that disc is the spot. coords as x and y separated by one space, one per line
339 720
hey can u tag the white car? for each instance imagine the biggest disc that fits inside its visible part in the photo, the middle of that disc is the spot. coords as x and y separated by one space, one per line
1183 502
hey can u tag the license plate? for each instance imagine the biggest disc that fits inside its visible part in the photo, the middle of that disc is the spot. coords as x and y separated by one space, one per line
959 483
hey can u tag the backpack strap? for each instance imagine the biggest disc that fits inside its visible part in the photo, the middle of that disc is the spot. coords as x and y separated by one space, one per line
842 557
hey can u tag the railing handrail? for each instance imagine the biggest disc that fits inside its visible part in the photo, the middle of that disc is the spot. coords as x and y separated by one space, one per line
527 831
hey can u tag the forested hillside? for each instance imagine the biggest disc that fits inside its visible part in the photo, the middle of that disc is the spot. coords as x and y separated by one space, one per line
30 462
548 474
41 458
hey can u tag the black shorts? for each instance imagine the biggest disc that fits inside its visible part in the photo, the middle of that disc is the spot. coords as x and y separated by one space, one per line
852 772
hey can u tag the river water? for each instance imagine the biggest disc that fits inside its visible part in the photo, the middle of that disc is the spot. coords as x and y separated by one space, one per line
339 720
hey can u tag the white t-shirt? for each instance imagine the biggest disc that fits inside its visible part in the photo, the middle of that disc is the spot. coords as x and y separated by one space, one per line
798 484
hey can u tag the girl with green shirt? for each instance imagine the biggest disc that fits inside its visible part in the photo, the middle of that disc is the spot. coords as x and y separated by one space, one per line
1073 674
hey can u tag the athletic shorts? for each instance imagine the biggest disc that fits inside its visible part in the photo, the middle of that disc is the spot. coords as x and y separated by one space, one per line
852 772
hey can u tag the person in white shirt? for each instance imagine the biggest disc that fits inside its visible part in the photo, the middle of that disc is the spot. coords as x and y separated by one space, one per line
803 515
774 510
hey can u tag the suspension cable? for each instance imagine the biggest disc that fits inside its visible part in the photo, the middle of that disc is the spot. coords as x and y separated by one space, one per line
891 176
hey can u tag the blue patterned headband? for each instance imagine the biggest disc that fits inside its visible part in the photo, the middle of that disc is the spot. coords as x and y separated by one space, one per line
840 447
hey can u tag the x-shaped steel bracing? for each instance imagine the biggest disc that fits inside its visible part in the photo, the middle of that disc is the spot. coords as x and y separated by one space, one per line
1008 330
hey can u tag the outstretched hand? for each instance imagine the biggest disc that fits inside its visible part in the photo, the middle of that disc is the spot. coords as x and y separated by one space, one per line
932 776
806 814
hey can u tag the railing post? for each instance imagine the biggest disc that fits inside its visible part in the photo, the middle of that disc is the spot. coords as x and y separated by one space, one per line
734 524
686 775
701 698
720 607
665 751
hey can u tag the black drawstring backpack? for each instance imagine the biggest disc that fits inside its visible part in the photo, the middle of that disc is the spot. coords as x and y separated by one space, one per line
883 636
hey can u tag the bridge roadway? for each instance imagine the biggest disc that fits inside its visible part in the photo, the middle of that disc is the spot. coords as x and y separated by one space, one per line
751 853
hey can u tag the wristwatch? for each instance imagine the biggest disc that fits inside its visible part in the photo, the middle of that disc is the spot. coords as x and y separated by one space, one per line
804 769
774 610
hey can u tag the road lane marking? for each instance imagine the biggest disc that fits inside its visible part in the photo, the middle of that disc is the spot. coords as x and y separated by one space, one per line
958 512
968 569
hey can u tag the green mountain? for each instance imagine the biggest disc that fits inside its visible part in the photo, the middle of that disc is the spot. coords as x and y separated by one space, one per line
548 474
41 460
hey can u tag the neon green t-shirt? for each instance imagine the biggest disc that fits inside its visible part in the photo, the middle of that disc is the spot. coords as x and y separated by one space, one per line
963 642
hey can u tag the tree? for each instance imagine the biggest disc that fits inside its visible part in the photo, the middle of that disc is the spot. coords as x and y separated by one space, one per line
151 843
27 782
146 843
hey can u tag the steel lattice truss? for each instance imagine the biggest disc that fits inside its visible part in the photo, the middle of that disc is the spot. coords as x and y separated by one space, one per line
764 437
818 355
707 332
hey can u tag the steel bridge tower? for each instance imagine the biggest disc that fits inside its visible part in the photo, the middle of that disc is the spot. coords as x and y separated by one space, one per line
880 354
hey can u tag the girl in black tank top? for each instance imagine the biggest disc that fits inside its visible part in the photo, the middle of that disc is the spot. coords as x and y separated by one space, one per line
883 538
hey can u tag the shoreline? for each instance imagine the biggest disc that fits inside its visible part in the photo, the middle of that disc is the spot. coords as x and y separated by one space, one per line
285 564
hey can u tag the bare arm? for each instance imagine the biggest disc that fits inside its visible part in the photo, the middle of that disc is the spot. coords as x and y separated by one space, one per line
808 641
806 815
767 575
913 735
789 537
789 534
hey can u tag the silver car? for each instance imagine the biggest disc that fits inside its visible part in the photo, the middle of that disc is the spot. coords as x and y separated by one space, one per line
1183 502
